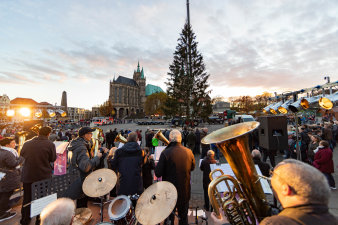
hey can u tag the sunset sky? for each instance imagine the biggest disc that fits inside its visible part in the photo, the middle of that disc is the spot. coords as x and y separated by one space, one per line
47 47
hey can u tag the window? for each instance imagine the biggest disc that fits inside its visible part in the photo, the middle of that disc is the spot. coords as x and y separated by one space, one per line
120 95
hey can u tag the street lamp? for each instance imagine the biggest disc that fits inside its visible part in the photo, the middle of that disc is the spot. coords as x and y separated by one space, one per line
25 112
10 113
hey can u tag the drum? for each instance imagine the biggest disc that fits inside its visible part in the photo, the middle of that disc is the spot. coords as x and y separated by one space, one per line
120 211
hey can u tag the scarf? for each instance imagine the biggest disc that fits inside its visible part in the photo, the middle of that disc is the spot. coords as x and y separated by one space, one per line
317 149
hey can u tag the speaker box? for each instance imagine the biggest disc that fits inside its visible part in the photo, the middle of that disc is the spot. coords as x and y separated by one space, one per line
273 133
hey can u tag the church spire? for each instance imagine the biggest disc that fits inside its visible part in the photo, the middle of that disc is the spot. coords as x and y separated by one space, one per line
142 73
138 67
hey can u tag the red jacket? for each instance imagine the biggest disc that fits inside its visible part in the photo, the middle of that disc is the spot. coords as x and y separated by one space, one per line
323 160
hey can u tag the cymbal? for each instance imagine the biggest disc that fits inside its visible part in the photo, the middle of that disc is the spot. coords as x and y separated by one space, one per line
156 203
82 216
99 183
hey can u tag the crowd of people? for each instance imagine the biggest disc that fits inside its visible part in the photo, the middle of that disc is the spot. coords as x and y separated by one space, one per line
135 166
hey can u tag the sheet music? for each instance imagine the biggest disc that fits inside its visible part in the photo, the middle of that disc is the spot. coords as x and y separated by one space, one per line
199 165
265 184
120 145
2 175
39 204
60 146
158 151
200 212
221 187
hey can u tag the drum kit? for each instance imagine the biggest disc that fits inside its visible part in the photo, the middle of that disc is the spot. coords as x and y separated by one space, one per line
160 197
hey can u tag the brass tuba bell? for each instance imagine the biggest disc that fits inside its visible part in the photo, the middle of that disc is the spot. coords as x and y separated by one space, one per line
161 137
120 138
233 143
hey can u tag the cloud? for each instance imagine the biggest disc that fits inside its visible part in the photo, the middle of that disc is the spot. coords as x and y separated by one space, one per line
275 45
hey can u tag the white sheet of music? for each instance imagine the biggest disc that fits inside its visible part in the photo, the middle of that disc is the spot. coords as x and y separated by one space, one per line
265 184
158 151
39 204
60 146
221 187
120 145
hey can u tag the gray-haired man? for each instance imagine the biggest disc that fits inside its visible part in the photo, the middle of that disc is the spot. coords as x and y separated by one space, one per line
304 194
175 165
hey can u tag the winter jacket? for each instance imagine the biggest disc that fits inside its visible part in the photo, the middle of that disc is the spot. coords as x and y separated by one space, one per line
38 153
263 166
79 154
8 166
205 167
175 165
323 160
128 162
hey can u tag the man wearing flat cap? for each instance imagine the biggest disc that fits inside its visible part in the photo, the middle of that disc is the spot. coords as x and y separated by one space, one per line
79 150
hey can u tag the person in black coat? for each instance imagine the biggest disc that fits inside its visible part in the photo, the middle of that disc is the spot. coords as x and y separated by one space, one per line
175 165
108 139
205 167
128 161
38 153
198 142
79 152
205 147
148 166
10 163
263 166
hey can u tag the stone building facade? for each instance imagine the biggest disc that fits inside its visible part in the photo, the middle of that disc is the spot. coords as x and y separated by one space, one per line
128 95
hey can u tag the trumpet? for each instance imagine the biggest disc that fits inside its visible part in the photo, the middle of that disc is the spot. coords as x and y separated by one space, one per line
161 137
244 201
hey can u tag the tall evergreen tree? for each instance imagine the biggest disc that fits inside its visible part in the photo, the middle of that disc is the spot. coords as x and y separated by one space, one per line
187 90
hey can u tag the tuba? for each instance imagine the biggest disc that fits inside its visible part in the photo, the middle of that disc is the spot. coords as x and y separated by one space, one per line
21 139
23 134
161 137
244 201
96 138
120 138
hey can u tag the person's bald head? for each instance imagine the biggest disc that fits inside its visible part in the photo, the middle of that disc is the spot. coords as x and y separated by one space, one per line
210 153
256 154
305 182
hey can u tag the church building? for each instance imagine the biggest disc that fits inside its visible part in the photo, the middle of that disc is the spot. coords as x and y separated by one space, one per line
128 96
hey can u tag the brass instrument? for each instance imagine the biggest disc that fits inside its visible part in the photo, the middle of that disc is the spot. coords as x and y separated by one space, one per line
23 134
96 138
161 137
21 139
120 138
250 198
214 171
235 203
36 128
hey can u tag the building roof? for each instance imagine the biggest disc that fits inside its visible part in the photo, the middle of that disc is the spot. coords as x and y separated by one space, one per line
125 80
44 103
23 101
151 89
